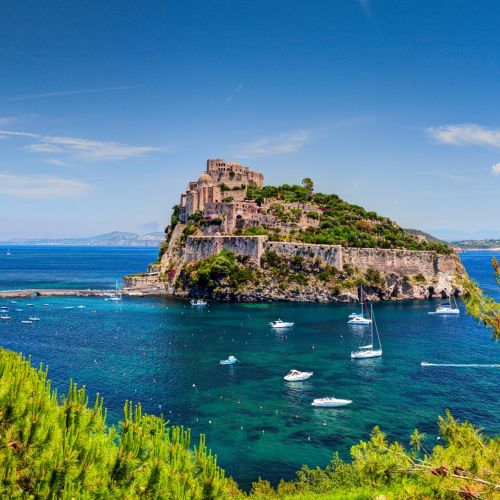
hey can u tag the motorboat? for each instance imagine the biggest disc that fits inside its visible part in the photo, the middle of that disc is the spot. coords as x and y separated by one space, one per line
281 324
297 376
5 316
34 318
27 321
231 360
198 302
367 350
31 305
13 301
359 320
69 307
330 402
81 307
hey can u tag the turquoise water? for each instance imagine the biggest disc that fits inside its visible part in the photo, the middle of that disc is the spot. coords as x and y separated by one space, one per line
165 353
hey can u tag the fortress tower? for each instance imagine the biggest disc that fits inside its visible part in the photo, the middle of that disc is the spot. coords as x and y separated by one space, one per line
207 189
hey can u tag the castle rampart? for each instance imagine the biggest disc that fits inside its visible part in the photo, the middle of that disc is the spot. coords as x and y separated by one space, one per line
400 262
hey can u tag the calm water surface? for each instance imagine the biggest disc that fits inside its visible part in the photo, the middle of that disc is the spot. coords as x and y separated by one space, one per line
165 353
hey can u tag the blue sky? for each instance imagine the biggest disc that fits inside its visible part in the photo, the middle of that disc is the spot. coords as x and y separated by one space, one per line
108 109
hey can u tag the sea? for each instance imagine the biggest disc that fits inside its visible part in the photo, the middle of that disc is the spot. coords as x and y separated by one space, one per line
164 354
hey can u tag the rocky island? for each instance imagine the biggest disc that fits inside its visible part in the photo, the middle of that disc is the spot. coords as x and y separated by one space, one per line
233 238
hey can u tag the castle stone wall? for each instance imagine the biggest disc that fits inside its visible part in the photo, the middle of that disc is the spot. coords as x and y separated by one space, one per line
329 254
201 247
401 262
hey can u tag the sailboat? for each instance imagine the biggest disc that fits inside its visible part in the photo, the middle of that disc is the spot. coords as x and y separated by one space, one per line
447 308
368 350
117 296
358 318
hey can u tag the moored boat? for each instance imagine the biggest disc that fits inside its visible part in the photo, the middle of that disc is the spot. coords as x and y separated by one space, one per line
297 376
281 324
198 302
330 402
367 351
231 360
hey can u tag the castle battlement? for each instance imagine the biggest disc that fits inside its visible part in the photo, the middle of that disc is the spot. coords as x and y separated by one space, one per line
208 189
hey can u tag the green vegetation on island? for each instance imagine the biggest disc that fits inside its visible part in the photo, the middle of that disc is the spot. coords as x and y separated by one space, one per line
340 223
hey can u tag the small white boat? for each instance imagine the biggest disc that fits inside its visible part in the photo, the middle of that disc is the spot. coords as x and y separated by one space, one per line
297 376
81 307
447 308
359 320
117 296
27 321
281 324
18 310
330 402
69 307
231 360
8 252
34 318
13 301
31 305
5 316
198 302
367 351
45 305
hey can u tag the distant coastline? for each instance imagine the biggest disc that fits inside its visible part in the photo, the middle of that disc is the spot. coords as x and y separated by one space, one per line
113 239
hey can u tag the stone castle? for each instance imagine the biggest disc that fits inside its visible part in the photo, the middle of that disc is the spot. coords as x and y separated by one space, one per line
219 194
219 199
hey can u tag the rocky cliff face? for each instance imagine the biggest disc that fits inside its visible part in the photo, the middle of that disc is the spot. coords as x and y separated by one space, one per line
254 269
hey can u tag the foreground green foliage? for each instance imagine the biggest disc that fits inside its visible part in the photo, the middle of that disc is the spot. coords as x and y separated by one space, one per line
52 449
341 223
480 305
63 449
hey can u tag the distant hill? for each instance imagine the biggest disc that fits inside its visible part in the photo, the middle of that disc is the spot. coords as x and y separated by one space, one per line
113 239
476 244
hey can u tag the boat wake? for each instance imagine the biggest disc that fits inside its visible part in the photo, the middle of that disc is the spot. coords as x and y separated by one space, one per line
461 365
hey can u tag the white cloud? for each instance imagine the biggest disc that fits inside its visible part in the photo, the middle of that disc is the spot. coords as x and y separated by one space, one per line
71 92
466 133
289 142
82 148
495 169
4 120
56 162
366 6
43 186
235 91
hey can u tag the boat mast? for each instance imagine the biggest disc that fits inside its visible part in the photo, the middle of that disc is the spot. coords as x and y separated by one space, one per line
376 328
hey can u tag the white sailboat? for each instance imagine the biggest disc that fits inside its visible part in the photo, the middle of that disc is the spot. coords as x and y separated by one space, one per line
359 318
117 296
368 350
447 308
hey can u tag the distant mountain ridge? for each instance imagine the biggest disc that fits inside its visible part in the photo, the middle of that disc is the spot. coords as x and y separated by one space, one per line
115 238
